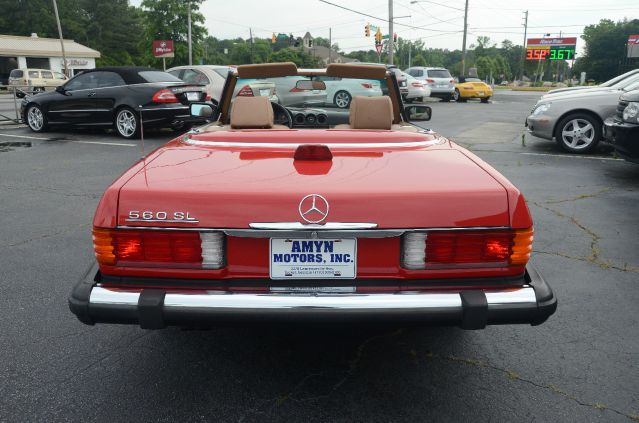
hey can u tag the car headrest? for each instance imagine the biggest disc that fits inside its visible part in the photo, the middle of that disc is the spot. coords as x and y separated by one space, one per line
251 113
371 113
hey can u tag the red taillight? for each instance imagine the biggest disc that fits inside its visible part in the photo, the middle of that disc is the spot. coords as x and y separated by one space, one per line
459 249
430 81
208 97
158 248
367 85
313 152
452 81
165 96
417 84
246 91
295 90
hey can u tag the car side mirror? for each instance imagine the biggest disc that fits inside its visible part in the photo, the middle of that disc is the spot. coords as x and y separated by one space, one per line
418 113
202 110
60 89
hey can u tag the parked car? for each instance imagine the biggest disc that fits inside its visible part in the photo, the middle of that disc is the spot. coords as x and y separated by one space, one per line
213 77
36 80
575 119
341 91
439 80
111 97
469 87
617 81
622 129
416 90
289 94
376 220
400 76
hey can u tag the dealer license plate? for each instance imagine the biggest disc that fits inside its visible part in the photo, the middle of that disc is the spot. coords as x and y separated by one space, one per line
265 93
313 258
192 96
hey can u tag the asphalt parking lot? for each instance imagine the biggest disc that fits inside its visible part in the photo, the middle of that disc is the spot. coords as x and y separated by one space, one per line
581 365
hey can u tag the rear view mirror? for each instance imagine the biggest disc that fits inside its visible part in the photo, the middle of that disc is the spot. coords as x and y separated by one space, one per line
418 113
60 89
307 85
201 110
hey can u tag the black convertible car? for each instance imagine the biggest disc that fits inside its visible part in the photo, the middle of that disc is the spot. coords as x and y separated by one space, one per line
115 97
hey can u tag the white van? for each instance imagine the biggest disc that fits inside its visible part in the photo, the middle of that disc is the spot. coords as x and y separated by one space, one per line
36 80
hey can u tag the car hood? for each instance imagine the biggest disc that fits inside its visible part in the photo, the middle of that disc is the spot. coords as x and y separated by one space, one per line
582 95
578 92
229 179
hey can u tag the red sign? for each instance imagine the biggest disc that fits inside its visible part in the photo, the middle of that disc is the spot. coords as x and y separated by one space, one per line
552 41
633 40
378 47
163 48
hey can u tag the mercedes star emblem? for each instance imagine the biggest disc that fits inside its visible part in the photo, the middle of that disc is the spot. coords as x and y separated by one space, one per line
313 208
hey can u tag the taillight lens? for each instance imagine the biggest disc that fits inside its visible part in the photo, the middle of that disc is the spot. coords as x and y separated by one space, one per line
296 90
367 85
246 91
462 249
417 84
430 81
165 96
452 81
158 248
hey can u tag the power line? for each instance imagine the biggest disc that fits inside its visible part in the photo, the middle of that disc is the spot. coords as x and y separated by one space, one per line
439 4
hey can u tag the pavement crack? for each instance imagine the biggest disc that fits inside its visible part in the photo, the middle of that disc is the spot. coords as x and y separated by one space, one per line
579 197
66 229
49 190
515 377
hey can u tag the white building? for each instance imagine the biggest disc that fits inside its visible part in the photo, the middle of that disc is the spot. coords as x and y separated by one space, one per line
43 53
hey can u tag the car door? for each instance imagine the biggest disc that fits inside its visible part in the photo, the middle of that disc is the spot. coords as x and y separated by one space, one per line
77 104
108 94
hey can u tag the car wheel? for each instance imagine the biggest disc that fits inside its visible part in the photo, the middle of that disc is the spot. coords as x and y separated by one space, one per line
457 96
485 99
38 90
342 99
578 133
36 119
419 100
127 123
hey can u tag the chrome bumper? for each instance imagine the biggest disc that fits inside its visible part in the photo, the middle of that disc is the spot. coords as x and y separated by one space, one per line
471 308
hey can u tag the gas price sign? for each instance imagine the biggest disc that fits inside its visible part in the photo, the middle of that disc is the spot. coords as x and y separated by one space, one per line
551 48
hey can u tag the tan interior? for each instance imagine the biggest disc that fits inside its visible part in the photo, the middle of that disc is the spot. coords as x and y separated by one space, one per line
267 70
252 113
349 70
373 113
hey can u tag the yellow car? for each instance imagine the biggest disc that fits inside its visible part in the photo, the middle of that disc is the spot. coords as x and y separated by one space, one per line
468 87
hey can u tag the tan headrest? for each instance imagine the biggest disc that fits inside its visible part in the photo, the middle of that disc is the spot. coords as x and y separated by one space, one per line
251 113
371 113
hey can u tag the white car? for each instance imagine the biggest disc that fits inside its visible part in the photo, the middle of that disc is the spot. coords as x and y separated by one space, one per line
417 90
439 80
214 77
340 92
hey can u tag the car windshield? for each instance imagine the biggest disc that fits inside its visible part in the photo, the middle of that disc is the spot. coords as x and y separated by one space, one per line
619 79
627 82
472 80
157 76
632 87
438 73
336 92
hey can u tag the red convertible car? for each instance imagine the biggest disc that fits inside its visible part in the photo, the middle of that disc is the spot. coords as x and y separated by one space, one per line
310 212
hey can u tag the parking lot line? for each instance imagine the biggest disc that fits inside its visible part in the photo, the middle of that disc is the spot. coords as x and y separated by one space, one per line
25 136
571 156
106 143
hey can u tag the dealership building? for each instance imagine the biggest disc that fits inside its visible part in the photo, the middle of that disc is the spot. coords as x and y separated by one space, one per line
43 53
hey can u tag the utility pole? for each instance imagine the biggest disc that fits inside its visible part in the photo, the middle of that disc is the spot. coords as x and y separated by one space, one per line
64 55
410 49
463 72
330 45
251 35
523 53
190 42
559 61
390 32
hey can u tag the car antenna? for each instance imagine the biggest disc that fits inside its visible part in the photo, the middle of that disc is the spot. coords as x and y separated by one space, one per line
141 132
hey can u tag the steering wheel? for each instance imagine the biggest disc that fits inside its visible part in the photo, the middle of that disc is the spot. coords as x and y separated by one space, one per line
281 115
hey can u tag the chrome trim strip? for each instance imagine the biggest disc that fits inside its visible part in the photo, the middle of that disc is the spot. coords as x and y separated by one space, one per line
189 141
79 110
164 220
298 226
220 300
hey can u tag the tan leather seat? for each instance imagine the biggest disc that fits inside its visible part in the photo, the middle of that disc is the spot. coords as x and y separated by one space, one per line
373 113
253 113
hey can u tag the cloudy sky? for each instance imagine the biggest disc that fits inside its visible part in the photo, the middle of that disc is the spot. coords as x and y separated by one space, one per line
440 21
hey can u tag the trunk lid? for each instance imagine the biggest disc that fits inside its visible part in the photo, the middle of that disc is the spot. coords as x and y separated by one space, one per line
230 179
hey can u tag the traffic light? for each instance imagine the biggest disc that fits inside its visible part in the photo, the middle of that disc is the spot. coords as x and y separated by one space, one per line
367 30
395 37
273 38
378 36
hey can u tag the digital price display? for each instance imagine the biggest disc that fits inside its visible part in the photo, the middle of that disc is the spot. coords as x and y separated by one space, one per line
551 48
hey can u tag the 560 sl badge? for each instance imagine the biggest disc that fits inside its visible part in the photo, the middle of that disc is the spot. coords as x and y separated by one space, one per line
160 216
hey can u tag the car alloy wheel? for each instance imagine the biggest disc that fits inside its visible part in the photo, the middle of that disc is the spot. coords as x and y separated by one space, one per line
342 99
578 133
456 95
126 123
35 119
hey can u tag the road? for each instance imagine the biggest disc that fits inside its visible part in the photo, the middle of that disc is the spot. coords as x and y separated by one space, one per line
581 365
